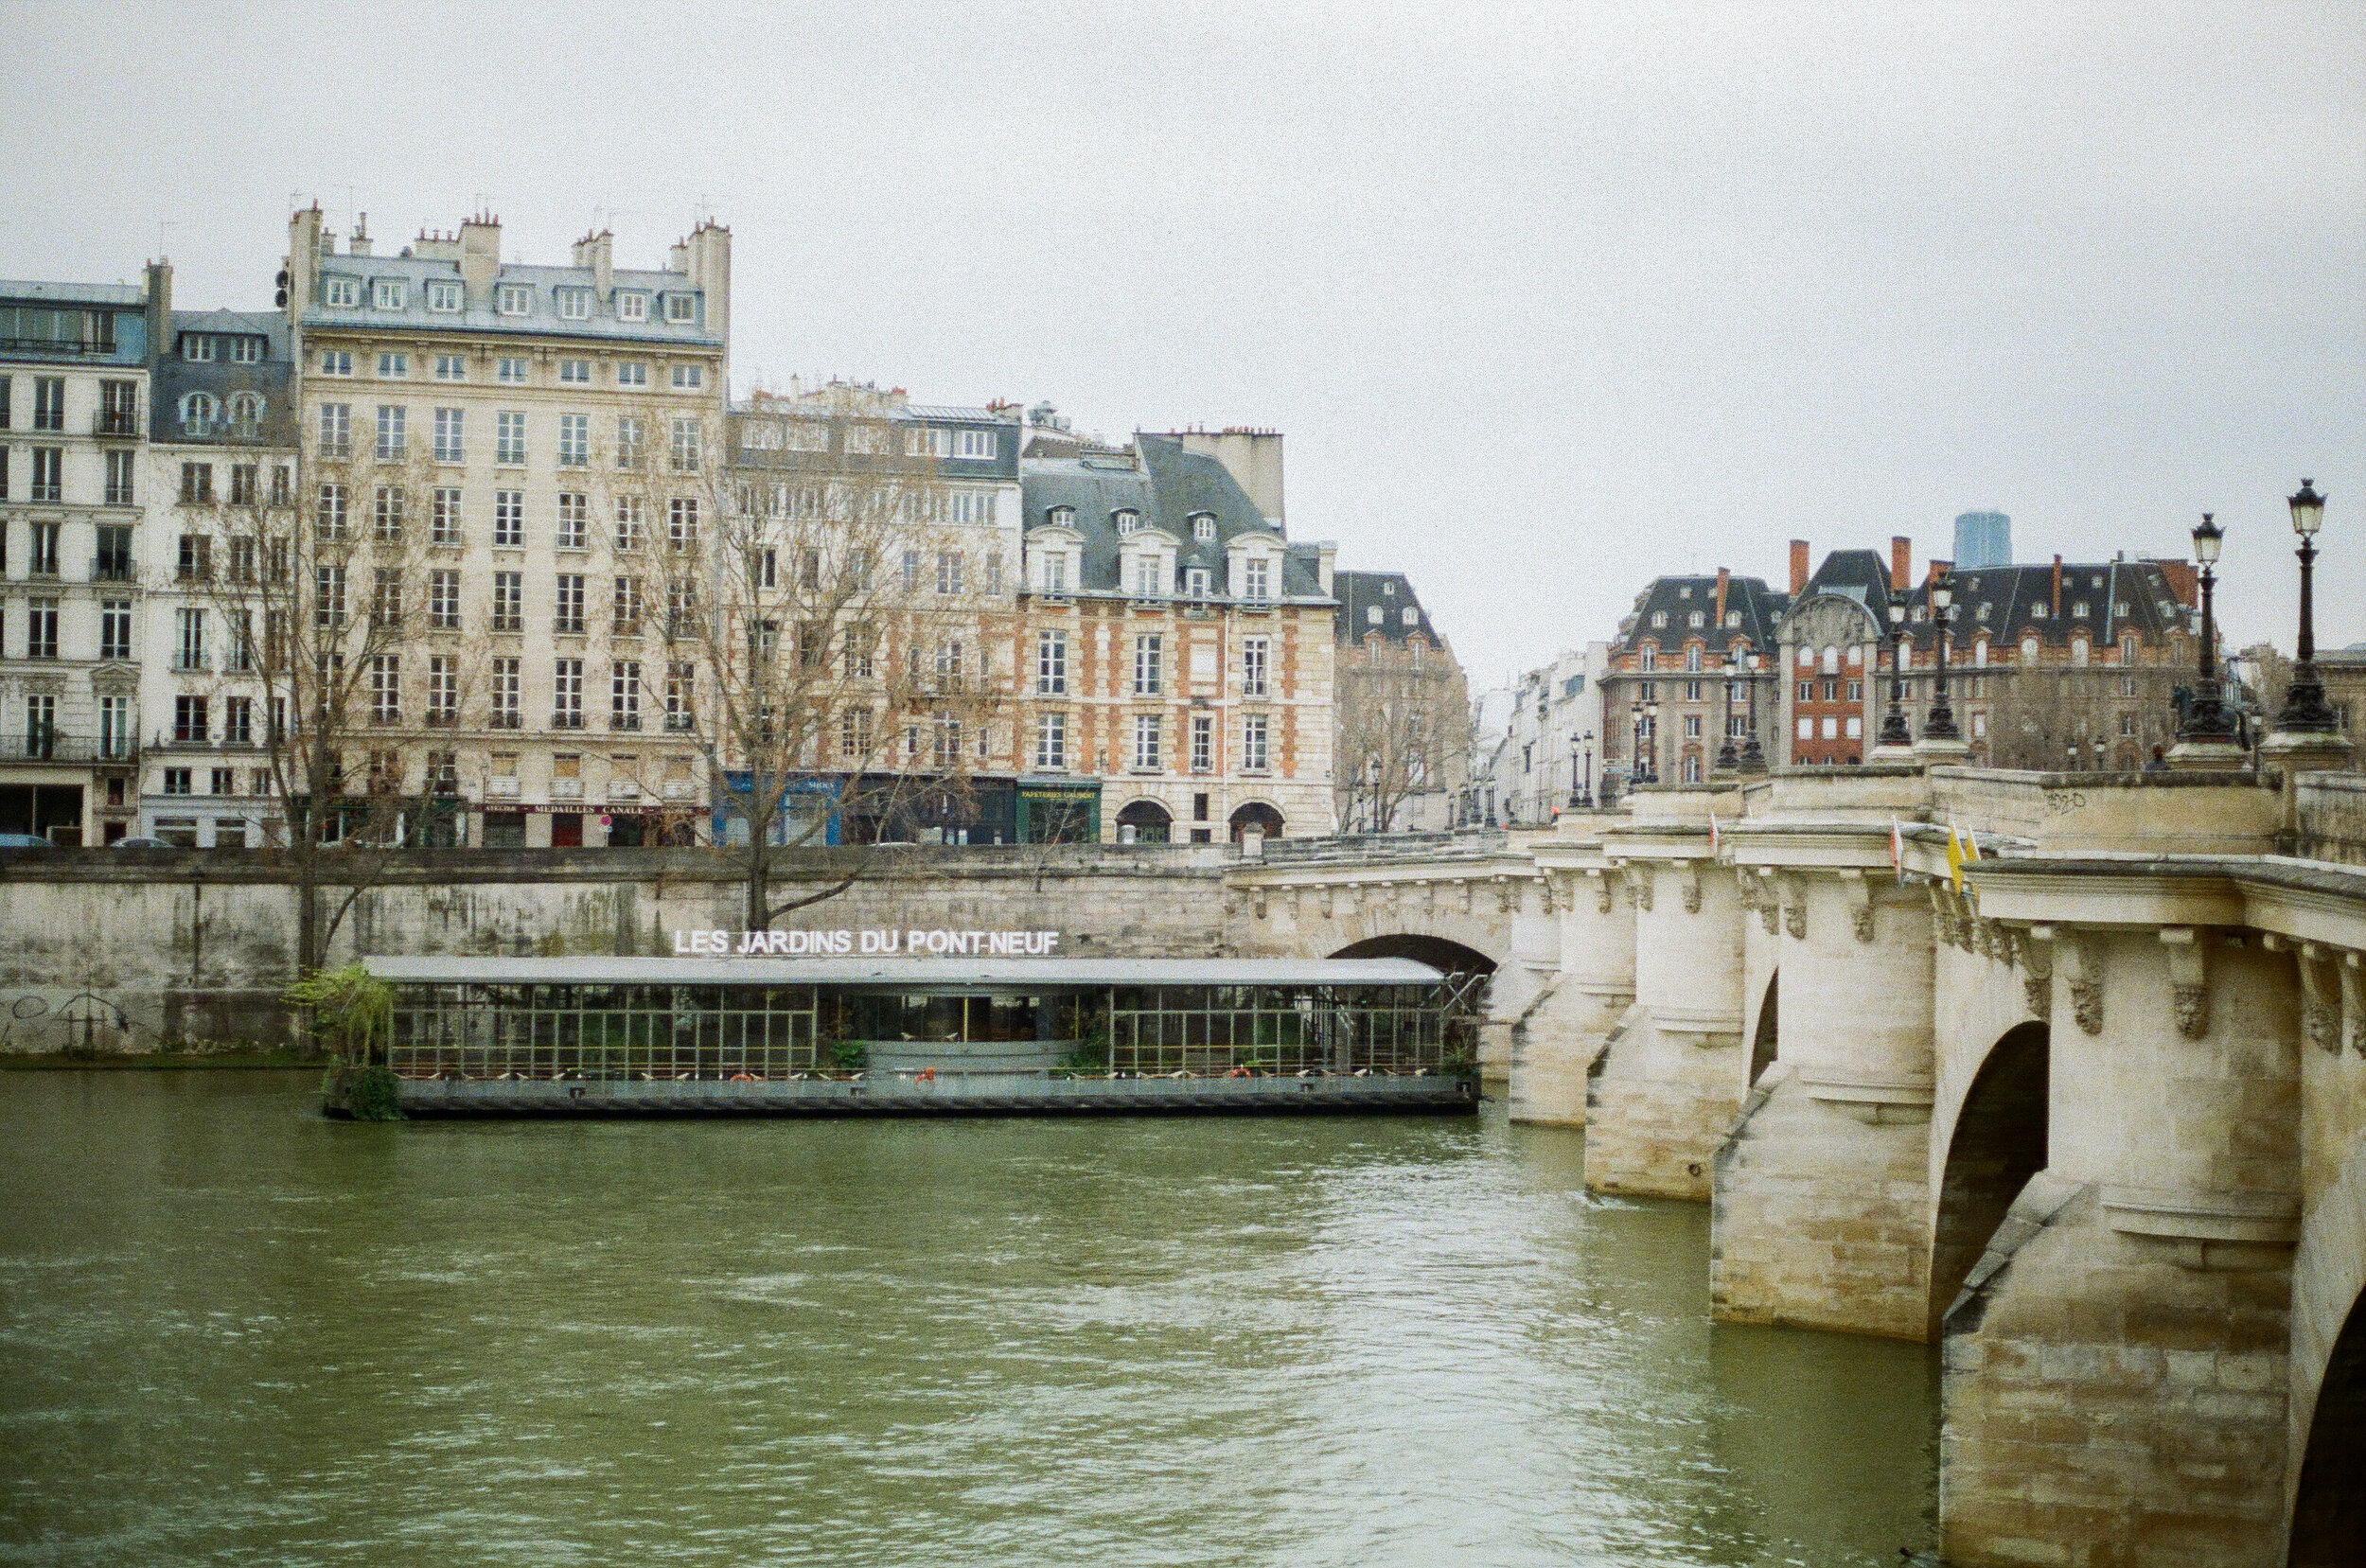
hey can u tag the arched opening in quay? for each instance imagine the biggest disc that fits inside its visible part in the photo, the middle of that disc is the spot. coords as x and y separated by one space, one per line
2329 1510
1999 1143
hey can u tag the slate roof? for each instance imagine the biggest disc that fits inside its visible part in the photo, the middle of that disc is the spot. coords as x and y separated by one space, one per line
1391 594
2118 597
1760 607
72 293
1167 488
173 377
481 317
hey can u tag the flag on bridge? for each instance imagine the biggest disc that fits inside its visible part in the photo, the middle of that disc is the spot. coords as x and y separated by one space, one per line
1898 849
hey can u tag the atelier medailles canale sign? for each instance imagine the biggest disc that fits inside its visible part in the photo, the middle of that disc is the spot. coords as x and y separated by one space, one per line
869 942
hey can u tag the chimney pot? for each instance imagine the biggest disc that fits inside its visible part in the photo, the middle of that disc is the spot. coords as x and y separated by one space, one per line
1901 563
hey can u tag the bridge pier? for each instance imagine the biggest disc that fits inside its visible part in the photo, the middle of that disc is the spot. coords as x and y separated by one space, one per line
1822 1189
2116 1369
1667 1080
1556 1040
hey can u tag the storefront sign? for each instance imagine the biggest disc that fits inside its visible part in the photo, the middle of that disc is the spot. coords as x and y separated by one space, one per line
870 943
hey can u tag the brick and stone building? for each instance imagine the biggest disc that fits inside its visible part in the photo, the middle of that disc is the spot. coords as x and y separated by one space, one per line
1401 706
1180 646
1690 669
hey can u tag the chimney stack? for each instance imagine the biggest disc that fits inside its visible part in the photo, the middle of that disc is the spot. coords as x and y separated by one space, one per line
1798 567
2055 607
1723 576
1901 563
1935 570
480 260
596 253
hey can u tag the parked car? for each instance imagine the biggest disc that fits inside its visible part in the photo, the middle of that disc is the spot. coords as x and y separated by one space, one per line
141 844
24 841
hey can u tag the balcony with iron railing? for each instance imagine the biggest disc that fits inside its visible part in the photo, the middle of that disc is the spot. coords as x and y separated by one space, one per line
116 422
49 745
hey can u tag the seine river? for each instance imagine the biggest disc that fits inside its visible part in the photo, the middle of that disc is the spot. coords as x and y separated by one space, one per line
232 1332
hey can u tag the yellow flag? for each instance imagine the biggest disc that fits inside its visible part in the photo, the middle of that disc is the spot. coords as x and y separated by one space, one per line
1955 858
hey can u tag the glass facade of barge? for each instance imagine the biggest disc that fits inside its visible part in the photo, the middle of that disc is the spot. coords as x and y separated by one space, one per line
491 1029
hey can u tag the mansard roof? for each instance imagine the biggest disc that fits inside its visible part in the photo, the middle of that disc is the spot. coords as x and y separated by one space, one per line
1388 593
1680 598
2009 603
1166 486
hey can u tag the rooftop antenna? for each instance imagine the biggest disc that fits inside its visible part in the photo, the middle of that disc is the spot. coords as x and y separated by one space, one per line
162 224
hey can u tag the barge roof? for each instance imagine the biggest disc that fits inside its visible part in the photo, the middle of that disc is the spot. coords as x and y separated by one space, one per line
897 972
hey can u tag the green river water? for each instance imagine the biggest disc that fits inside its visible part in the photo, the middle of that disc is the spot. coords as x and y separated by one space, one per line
232 1333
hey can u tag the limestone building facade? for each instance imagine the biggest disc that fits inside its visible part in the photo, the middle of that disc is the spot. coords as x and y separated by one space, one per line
74 396
551 431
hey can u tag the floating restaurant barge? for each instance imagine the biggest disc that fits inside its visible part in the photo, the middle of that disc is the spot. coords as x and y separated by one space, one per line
707 1036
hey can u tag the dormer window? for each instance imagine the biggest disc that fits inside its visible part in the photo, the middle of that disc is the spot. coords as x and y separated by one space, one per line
198 413
1696 620
1388 591
443 294
631 304
574 303
1979 613
514 299
1061 517
1373 614
2078 610
681 308
1203 527
1659 619
246 351
246 412
1685 591
197 348
387 294
343 292
2036 611
1733 620
1125 521
1411 617
1254 583
1195 582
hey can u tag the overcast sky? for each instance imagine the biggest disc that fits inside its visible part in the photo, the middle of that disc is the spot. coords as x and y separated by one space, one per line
1546 301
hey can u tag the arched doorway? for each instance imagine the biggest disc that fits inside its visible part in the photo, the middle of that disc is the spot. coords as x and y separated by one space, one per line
1998 1145
1145 822
1257 814
1764 1044
2329 1509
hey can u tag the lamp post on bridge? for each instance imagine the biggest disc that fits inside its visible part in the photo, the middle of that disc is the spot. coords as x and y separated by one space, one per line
2308 734
1896 738
2206 738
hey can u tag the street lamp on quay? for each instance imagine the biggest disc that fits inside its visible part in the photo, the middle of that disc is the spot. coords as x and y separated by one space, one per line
2205 716
1942 724
1646 725
1894 730
1581 780
1726 760
2306 709
1752 759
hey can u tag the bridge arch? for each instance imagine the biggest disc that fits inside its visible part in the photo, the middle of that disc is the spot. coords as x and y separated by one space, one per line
2329 1509
1997 1143
1444 953
1766 1039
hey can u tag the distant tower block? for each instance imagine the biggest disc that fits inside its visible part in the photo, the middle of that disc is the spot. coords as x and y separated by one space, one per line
1983 538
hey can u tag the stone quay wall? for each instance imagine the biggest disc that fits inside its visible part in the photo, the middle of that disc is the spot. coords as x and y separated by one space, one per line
115 952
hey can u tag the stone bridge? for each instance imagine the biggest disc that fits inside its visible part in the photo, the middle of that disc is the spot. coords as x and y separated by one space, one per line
2091 1115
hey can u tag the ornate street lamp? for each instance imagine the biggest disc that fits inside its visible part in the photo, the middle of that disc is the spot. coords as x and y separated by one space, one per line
1582 777
1726 760
2205 716
1942 724
1647 724
1894 730
2305 709
1752 759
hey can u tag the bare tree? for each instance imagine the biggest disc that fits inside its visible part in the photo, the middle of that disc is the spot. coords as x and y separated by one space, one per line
827 645
1403 720
312 564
